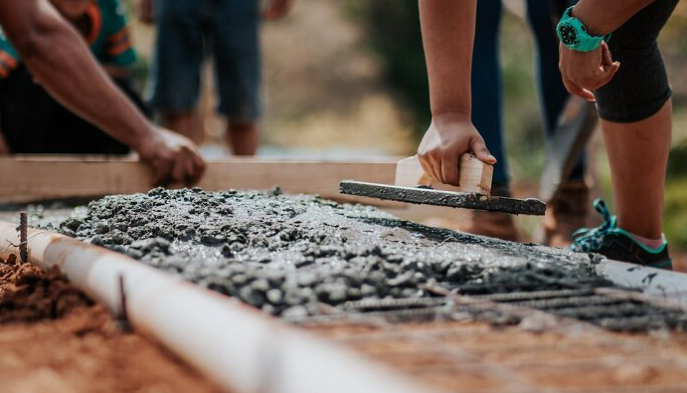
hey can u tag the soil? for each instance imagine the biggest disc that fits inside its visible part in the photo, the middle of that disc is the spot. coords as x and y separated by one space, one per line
471 356
296 256
54 339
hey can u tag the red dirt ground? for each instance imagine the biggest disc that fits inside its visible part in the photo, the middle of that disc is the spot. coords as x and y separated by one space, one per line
54 339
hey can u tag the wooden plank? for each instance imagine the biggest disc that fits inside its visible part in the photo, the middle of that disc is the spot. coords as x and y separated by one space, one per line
35 178
475 175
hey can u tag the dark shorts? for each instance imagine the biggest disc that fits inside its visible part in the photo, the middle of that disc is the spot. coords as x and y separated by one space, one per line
191 30
640 88
32 122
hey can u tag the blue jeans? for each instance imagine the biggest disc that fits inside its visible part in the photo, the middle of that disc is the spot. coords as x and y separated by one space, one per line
487 94
189 30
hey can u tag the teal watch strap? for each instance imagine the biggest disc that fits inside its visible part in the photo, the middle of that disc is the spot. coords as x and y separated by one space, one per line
574 35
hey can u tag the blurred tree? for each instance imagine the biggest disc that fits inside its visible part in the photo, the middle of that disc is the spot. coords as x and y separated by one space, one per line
393 31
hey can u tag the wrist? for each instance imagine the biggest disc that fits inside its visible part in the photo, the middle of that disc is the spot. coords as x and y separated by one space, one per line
145 140
440 118
575 35
587 16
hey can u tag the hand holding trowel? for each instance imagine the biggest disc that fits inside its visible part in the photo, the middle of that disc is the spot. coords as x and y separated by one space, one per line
413 185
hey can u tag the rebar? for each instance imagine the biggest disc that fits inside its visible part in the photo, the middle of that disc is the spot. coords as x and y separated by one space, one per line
23 237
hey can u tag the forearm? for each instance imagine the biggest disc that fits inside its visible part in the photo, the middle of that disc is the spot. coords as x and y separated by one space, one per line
603 17
60 61
448 32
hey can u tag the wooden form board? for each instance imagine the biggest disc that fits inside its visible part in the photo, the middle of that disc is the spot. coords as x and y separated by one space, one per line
35 178
475 176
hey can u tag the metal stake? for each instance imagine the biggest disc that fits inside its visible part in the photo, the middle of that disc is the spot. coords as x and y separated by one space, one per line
123 317
23 237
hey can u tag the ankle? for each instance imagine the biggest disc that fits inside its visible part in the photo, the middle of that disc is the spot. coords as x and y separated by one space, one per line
649 242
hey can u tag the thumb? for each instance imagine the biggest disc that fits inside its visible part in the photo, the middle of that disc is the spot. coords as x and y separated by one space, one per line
480 150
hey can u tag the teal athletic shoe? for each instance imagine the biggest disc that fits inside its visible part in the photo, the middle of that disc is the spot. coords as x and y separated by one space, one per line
617 244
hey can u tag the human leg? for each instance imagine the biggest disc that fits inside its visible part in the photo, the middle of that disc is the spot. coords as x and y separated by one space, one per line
635 108
236 47
487 91
638 156
243 137
176 66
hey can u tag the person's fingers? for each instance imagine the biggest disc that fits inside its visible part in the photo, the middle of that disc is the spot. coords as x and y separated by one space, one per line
179 168
190 171
609 75
198 167
434 167
449 170
606 58
479 149
574 89
194 168
426 165
160 173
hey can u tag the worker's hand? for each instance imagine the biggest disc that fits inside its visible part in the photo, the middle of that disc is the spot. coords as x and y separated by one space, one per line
145 10
173 158
278 9
448 137
585 72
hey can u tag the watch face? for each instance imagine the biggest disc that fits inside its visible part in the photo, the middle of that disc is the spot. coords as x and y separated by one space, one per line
569 35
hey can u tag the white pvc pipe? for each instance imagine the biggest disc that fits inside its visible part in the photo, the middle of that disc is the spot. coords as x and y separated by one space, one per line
238 347
667 285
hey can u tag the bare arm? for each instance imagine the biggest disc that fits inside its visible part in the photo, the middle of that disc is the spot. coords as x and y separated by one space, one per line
59 59
448 31
61 62
604 17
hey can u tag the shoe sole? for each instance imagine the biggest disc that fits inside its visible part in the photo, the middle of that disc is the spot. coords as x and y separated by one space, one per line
665 265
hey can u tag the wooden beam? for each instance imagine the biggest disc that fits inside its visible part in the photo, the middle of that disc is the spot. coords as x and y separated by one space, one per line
34 178
475 176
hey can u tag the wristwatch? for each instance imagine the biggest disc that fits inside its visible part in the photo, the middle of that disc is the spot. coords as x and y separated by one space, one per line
574 35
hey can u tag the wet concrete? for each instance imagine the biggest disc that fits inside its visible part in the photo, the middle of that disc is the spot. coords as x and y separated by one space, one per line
289 255
428 196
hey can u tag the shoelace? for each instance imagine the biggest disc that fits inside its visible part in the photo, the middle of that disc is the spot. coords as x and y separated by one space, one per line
590 239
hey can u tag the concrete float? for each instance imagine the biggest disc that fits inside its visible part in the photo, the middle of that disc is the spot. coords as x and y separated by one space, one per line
241 349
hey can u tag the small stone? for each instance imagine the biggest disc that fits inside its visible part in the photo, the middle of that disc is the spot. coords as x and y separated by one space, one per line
275 296
260 285
72 224
295 312
227 251
102 229
240 279
252 297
